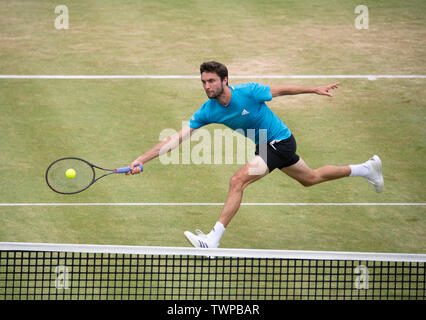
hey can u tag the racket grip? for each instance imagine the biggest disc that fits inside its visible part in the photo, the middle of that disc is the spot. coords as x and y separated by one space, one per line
126 169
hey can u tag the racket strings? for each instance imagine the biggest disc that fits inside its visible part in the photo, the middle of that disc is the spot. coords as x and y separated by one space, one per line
57 178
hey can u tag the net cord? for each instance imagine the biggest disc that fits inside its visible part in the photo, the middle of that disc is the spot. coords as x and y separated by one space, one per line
219 252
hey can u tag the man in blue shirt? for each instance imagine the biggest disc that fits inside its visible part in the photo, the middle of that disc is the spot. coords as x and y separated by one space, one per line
242 108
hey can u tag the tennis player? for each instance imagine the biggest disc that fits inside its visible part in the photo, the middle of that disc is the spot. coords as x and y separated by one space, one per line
243 107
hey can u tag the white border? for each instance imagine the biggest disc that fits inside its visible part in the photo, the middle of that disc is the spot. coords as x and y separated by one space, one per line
244 253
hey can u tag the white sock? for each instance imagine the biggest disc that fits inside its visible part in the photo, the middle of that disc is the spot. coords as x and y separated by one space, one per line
359 170
216 232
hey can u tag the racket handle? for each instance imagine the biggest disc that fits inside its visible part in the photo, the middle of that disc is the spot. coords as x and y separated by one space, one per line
126 169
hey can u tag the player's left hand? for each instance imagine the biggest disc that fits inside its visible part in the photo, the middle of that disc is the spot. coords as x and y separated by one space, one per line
323 90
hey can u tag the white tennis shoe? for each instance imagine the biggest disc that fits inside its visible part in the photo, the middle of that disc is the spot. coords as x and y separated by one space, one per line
200 240
375 176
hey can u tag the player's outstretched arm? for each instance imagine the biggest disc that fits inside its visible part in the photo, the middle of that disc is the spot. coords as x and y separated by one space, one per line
164 146
292 90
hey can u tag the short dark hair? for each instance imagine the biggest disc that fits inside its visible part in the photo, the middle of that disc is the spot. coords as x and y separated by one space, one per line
215 67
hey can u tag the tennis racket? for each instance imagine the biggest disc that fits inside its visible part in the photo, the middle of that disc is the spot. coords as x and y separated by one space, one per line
72 175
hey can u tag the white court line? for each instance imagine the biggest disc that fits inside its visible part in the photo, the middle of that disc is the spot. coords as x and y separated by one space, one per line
215 204
336 76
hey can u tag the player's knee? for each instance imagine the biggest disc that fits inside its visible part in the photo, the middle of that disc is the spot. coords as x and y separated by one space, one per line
306 183
310 180
236 183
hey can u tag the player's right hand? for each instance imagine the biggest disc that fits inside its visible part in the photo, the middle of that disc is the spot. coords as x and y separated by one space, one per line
134 169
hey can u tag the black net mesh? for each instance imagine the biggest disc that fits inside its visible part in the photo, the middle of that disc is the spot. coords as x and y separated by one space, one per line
98 276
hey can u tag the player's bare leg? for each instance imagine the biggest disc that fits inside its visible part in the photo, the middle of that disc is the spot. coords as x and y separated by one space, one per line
371 170
301 172
252 171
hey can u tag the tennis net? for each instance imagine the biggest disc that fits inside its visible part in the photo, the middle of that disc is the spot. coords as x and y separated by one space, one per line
97 272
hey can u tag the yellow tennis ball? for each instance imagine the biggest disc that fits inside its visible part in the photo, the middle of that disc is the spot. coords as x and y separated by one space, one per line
70 173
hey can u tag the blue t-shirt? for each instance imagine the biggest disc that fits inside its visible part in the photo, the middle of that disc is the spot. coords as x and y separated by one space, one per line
246 110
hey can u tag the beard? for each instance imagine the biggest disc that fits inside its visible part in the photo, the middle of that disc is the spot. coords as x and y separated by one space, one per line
215 94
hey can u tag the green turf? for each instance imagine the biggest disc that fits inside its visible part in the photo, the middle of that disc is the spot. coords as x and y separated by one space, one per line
111 122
